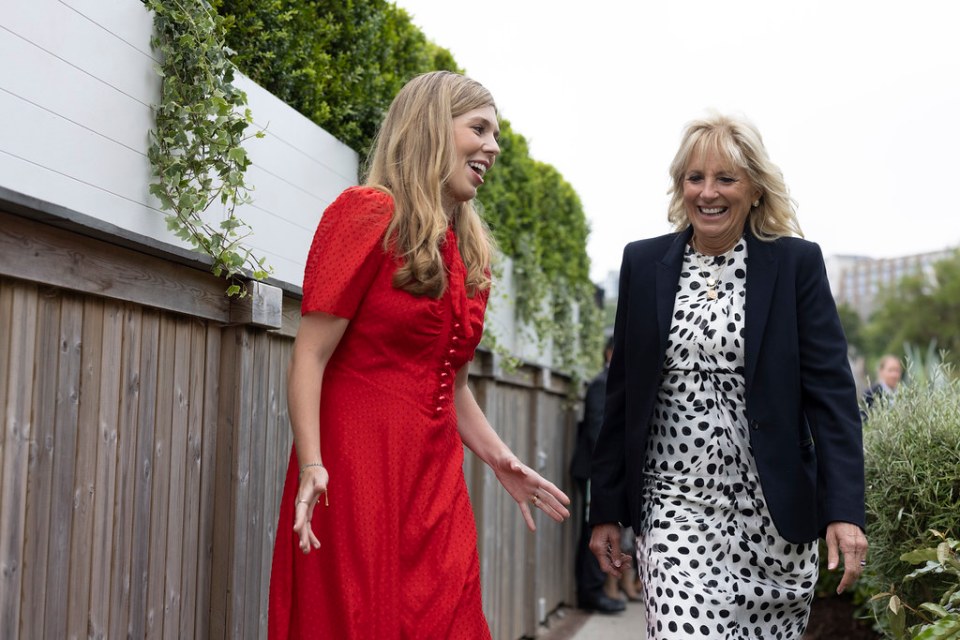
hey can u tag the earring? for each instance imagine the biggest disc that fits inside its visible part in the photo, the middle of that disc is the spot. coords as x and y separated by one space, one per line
756 203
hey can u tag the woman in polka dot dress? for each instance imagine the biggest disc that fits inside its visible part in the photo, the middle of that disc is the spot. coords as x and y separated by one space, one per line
394 294
731 437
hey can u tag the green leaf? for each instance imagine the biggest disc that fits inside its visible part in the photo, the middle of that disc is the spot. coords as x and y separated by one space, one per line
920 555
897 617
237 154
943 629
935 609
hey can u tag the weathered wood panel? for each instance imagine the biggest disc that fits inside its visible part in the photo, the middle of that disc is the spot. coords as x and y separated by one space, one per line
106 431
20 340
152 447
40 469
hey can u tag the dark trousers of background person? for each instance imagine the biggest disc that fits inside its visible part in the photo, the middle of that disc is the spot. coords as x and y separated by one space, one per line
590 578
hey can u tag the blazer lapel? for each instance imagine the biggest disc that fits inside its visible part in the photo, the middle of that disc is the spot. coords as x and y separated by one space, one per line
668 275
761 278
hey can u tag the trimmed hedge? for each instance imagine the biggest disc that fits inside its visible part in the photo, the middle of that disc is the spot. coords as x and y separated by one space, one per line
340 63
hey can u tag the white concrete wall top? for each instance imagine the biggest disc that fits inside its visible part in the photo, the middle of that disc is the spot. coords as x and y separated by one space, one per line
76 88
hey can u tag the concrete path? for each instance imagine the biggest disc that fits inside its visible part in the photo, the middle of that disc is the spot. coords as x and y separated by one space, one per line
574 624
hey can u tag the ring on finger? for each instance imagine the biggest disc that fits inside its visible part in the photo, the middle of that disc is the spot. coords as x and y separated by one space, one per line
863 563
536 500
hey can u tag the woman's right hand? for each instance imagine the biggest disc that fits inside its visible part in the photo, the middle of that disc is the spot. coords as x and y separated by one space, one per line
605 544
313 483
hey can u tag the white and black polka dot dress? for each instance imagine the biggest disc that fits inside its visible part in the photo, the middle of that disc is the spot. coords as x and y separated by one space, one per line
712 563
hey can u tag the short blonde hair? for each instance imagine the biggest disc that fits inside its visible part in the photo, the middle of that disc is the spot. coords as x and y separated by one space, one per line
412 159
739 142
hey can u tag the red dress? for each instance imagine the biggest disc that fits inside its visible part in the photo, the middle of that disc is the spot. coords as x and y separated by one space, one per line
398 556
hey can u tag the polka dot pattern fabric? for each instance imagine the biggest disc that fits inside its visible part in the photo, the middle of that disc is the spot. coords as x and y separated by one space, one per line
712 562
398 557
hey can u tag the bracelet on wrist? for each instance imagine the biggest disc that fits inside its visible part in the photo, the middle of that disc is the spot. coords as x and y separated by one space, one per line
310 464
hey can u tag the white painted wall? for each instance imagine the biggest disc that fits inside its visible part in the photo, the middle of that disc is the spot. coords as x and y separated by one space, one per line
76 88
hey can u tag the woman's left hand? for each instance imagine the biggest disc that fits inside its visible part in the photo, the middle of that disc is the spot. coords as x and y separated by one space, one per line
848 539
530 488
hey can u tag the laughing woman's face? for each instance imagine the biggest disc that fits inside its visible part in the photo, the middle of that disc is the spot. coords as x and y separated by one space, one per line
717 197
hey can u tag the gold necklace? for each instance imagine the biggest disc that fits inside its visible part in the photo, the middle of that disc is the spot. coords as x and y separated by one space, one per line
713 279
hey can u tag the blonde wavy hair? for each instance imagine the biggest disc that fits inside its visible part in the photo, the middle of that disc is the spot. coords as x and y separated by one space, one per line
412 159
739 142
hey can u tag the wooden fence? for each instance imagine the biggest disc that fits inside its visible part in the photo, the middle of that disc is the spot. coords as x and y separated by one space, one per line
144 442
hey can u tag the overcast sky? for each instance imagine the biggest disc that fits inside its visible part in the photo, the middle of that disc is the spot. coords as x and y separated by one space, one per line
858 103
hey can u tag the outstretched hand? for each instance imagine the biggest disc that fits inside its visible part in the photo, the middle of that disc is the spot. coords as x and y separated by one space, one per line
529 487
313 483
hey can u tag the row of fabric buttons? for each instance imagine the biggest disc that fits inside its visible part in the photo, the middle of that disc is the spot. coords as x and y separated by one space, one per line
445 387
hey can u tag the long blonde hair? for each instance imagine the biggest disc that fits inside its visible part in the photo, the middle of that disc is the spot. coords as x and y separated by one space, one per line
412 158
739 141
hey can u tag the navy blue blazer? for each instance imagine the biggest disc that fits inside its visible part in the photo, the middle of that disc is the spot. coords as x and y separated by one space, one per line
801 399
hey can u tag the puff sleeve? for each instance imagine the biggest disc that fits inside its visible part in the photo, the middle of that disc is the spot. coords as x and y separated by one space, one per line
347 252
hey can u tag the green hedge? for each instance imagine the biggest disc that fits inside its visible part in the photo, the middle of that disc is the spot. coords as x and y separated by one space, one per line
912 453
340 63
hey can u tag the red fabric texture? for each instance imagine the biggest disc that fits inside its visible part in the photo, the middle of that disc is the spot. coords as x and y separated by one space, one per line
398 556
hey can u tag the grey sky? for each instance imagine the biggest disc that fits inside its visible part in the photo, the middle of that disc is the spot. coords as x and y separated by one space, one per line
858 103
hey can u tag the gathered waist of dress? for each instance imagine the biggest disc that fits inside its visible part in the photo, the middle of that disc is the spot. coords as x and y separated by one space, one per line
418 391
668 371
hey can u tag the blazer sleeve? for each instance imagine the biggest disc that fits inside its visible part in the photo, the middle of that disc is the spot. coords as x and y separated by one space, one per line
608 495
829 396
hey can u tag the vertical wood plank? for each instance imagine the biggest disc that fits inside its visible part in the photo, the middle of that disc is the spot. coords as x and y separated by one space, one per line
40 469
271 462
121 584
84 488
243 503
208 478
224 503
21 302
160 485
253 616
64 461
190 555
178 510
109 403
6 369
143 484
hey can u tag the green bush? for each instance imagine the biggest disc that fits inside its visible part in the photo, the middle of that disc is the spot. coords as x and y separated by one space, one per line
912 450
340 63
940 618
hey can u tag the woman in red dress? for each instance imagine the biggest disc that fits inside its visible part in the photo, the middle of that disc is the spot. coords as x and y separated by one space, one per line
384 544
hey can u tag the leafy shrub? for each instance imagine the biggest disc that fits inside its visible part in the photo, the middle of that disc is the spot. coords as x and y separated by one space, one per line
912 450
338 63
940 619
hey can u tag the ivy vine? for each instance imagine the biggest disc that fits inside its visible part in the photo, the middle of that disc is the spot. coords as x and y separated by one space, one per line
196 150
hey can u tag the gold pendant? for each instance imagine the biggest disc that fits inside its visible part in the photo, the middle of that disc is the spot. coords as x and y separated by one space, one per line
712 294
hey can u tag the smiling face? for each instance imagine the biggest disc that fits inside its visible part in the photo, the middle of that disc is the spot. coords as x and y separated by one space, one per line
475 135
717 196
